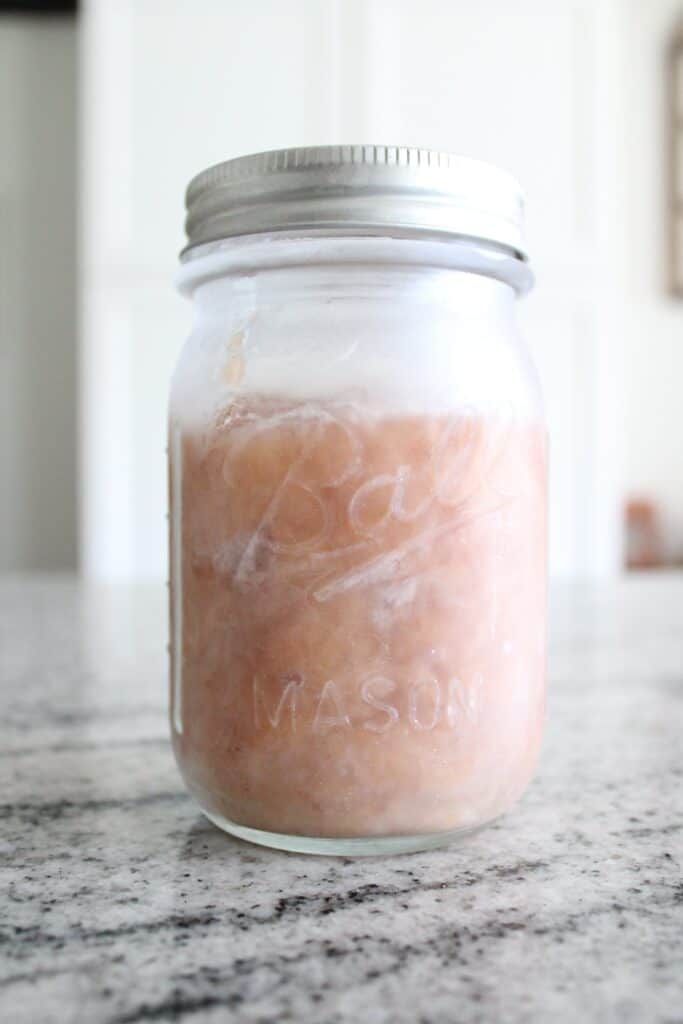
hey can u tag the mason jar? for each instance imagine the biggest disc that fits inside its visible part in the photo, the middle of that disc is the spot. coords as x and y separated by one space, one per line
357 501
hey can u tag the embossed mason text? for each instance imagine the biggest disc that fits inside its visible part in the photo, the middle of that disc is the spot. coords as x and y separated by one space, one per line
377 704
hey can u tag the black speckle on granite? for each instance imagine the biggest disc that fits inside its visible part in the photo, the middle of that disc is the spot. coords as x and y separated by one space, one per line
176 1007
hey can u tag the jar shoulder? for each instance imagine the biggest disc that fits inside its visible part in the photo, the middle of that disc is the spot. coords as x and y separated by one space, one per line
397 351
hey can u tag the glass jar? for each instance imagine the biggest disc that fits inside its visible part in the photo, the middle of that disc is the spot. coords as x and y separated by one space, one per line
358 502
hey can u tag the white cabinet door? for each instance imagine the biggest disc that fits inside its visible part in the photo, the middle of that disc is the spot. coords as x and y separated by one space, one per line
174 85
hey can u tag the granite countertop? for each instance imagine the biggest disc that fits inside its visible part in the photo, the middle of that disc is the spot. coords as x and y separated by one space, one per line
121 903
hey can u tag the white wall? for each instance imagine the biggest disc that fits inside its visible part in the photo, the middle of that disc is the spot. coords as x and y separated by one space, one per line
38 66
171 86
653 339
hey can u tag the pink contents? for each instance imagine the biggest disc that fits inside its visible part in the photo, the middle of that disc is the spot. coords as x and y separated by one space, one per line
363 616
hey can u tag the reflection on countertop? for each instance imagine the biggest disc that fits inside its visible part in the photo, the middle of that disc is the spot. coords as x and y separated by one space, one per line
124 905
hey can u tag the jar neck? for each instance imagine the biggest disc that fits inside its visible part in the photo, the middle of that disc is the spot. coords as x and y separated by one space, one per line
307 294
280 267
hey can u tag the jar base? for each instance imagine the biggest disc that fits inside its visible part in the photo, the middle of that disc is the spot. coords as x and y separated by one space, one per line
366 846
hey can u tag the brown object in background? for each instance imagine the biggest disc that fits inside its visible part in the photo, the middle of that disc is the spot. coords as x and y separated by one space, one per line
643 535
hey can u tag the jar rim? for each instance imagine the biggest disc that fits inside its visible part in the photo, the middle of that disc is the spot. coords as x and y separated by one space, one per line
249 254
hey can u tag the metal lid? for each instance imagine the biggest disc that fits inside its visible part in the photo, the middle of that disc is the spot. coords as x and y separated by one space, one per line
375 190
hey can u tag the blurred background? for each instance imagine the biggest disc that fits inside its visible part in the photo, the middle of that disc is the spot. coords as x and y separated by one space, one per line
108 108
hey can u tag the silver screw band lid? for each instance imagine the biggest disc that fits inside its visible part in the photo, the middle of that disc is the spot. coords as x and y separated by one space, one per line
375 190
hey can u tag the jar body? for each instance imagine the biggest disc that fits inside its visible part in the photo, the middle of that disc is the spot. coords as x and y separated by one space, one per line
358 547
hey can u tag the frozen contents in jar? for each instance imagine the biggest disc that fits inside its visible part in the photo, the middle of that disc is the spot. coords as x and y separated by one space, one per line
359 615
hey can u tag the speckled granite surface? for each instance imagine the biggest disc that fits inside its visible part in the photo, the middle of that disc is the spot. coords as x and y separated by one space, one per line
122 904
